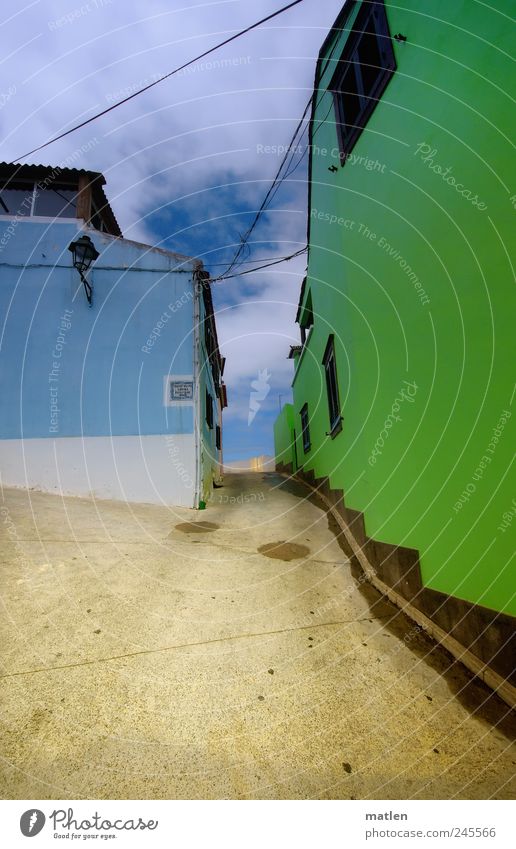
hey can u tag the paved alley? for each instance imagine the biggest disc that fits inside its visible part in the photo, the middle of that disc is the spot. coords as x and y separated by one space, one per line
155 652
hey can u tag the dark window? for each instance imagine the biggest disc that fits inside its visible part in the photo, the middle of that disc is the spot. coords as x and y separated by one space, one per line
307 318
209 410
58 201
305 428
332 388
218 442
208 338
16 198
215 373
212 352
364 69
50 201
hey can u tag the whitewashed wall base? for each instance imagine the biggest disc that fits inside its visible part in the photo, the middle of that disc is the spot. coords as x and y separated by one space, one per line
146 469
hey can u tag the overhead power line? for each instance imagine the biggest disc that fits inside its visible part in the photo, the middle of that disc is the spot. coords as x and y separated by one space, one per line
245 238
246 261
150 85
277 181
259 268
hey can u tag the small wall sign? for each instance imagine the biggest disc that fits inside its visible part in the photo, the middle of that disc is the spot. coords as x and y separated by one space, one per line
179 389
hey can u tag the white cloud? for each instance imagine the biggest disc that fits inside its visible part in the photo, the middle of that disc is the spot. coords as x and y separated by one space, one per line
196 131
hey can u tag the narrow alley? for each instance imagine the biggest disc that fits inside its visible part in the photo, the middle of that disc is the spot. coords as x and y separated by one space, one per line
155 652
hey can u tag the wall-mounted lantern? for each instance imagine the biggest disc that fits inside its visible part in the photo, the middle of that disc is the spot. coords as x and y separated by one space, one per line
84 253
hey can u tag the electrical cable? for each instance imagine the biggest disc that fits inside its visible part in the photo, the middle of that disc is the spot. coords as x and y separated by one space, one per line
307 148
273 189
150 85
246 261
259 268
276 183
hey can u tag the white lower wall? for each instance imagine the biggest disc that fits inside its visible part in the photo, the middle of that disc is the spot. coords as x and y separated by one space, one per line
145 469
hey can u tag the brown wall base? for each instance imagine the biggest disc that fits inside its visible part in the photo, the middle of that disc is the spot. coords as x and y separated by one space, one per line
483 639
284 468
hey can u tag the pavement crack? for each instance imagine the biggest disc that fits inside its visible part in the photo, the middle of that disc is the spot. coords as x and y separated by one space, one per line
310 627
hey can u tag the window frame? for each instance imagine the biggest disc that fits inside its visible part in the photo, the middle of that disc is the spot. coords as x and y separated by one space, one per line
209 409
211 349
369 12
209 342
218 441
67 211
306 318
36 194
97 216
329 362
305 428
19 186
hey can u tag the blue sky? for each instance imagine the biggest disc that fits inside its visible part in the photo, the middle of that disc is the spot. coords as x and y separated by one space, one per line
255 312
187 163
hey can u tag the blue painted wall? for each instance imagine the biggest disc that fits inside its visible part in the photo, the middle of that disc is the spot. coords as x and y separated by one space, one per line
103 367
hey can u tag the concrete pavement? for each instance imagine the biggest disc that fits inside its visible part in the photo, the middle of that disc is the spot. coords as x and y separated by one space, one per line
156 652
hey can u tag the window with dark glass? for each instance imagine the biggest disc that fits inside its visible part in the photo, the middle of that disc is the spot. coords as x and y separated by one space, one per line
215 371
55 202
209 410
332 388
16 198
305 428
308 313
29 199
307 318
208 338
364 69
218 443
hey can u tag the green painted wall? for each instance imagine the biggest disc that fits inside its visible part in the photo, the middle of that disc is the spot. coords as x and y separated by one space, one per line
415 280
283 436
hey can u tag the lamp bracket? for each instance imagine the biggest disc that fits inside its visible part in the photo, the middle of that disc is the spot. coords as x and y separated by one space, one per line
88 288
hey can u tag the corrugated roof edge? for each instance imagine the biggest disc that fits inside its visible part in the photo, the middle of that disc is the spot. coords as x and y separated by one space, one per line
34 171
21 171
18 169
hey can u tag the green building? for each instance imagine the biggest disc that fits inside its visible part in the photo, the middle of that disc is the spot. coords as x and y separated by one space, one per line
404 379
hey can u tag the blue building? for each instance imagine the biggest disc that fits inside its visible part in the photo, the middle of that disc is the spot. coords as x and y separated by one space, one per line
121 398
